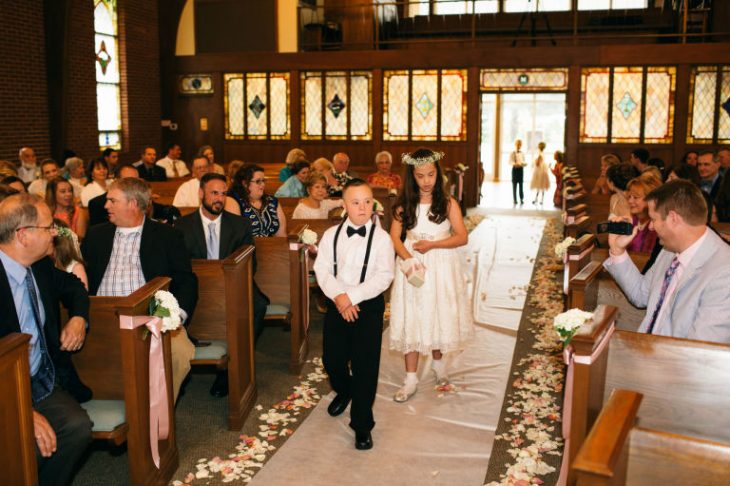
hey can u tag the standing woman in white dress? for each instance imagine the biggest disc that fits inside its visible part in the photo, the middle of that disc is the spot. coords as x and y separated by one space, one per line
540 179
430 311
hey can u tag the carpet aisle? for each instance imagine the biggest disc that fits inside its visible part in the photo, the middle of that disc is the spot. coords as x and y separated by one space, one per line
439 436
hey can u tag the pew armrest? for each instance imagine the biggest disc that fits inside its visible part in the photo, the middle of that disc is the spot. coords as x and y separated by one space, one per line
592 333
606 443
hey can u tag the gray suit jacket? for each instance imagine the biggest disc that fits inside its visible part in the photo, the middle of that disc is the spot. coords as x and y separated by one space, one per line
700 306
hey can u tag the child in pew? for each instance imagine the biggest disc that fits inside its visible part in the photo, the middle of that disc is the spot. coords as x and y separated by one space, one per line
316 205
66 254
430 311
354 267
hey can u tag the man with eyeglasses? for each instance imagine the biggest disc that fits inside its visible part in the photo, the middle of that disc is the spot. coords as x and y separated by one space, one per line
30 291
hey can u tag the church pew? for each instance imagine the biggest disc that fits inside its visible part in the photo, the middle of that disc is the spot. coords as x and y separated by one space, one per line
617 452
679 379
577 257
114 363
278 257
163 192
17 441
224 316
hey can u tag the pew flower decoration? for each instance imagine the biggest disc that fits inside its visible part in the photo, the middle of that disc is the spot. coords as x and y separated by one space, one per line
461 167
165 306
562 247
377 207
393 191
568 323
308 237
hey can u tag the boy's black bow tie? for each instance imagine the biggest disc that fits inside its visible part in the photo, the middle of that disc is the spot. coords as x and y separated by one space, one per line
359 231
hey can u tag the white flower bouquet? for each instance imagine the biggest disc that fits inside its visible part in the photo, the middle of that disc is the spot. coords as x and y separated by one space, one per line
166 307
568 323
377 207
307 236
562 248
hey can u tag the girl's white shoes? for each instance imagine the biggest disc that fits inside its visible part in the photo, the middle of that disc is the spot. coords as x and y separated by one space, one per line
408 389
439 369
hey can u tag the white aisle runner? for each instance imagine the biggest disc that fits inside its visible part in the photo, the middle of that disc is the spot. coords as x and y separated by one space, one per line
437 437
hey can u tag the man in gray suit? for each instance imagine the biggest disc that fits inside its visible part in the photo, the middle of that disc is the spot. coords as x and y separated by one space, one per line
685 292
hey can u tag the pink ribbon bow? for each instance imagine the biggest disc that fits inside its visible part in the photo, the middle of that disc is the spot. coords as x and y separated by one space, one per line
159 418
570 359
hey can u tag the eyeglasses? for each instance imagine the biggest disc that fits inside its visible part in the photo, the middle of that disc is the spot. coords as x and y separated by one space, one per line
51 228
258 181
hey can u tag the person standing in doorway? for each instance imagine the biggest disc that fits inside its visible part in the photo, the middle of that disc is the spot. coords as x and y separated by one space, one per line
540 181
517 161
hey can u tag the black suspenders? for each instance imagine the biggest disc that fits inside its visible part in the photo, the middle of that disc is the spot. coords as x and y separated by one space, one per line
367 250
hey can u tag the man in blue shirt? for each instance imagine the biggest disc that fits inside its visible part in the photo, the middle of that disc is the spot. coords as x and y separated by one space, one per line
30 291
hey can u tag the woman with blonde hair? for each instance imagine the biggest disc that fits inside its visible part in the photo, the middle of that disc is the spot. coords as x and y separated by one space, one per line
294 155
316 205
636 192
601 185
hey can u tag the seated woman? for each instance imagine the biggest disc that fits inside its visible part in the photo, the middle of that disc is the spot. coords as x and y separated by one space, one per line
66 254
601 186
636 191
294 186
294 155
384 177
325 167
248 199
316 206
97 172
60 198
618 177
75 172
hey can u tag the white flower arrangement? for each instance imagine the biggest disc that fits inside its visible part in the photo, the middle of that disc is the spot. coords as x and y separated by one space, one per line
377 207
393 191
562 247
308 237
461 167
165 306
568 323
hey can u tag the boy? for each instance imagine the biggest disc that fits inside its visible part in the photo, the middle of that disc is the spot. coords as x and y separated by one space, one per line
354 267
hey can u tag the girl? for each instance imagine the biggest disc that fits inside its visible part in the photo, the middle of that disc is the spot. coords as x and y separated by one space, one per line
66 254
434 317
60 198
315 206
557 171
540 181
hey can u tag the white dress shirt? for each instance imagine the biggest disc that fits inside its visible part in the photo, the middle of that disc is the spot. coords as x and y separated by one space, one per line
29 174
92 190
167 164
187 195
206 229
350 259
517 159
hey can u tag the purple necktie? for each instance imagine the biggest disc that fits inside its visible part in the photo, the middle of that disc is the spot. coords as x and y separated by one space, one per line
665 285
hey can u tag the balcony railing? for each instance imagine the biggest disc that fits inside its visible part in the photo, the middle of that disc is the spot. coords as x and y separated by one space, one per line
396 24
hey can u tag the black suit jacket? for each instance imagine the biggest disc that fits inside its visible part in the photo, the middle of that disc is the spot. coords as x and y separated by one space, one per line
153 174
162 254
235 232
55 286
160 212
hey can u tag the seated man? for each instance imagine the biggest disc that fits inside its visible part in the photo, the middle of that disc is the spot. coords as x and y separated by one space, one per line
159 212
341 162
174 167
212 233
187 194
685 291
30 291
124 254
147 168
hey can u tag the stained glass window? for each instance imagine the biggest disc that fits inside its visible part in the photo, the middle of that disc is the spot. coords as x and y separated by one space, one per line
424 104
611 4
709 116
336 105
530 5
257 106
108 99
627 104
555 79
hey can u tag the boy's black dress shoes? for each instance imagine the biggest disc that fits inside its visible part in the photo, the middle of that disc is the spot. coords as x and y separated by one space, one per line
338 405
363 441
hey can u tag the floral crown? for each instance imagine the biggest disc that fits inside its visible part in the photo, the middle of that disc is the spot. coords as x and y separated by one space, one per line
64 231
418 161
